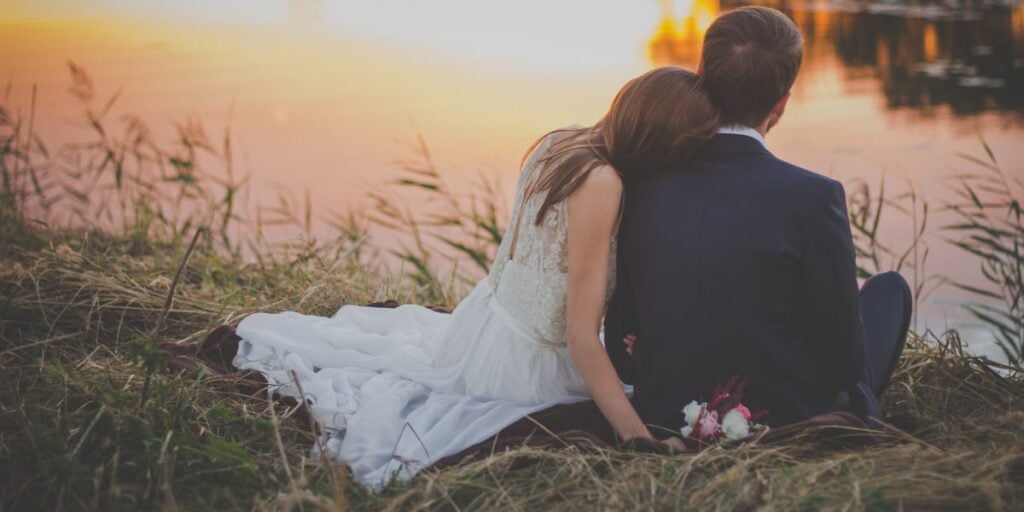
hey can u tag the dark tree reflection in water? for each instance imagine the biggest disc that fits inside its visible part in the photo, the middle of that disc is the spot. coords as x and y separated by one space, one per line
968 57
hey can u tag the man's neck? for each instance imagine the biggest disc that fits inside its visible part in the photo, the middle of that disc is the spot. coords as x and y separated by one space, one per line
765 126
762 128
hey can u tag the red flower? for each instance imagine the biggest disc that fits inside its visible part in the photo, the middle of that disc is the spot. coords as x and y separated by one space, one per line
743 410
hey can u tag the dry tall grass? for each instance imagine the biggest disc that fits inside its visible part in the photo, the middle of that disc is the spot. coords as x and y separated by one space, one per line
78 327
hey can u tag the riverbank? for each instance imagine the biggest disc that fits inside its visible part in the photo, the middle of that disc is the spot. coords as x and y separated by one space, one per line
93 418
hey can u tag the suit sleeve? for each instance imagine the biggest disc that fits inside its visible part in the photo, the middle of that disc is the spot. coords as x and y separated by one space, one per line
829 284
620 320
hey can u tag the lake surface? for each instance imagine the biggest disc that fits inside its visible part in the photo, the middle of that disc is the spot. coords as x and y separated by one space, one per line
326 95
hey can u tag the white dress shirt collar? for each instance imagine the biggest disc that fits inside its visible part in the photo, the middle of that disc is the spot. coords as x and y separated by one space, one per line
736 129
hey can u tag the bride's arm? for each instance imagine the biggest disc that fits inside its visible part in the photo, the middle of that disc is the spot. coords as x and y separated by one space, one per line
593 214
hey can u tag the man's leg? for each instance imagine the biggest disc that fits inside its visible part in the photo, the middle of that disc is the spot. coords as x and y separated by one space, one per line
886 305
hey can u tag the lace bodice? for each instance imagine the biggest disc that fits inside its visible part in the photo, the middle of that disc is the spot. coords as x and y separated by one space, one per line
531 281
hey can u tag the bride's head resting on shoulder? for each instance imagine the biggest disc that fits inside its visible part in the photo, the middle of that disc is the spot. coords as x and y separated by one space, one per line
656 122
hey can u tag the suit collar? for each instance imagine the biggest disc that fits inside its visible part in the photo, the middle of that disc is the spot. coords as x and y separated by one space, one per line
744 130
735 143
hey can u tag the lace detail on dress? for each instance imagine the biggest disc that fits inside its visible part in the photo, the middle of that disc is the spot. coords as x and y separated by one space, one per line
532 284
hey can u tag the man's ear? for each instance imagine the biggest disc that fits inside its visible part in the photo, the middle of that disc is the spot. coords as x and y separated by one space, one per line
780 106
777 110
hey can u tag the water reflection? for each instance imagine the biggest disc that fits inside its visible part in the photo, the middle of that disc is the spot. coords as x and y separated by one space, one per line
925 56
678 40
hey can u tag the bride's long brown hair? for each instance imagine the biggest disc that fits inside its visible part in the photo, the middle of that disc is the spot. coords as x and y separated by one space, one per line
656 121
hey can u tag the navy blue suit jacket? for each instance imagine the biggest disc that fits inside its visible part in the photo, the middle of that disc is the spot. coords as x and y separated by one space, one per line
736 263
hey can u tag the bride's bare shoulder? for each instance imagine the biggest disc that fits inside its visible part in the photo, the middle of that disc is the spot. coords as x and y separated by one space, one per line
603 183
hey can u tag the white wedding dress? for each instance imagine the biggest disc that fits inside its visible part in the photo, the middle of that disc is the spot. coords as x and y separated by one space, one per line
398 389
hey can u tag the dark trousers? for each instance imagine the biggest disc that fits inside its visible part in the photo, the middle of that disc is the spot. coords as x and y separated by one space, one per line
886 306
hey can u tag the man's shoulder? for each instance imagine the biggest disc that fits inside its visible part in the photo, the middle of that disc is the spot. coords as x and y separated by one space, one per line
812 181
761 167
763 175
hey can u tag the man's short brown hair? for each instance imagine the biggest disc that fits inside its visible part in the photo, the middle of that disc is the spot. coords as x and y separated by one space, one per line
750 59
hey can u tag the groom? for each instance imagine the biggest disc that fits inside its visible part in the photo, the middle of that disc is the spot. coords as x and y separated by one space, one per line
738 263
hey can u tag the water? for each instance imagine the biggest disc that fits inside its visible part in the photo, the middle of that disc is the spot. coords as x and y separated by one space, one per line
324 95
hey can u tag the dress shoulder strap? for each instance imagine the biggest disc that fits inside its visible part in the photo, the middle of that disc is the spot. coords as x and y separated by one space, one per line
530 169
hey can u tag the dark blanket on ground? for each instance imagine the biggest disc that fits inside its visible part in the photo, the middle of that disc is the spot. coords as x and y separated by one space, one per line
582 425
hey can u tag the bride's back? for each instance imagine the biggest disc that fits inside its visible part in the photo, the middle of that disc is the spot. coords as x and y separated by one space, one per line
530 272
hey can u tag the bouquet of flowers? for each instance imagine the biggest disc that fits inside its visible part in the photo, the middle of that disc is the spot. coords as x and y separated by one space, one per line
724 417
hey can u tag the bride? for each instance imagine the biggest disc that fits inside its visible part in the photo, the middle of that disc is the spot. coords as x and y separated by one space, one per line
397 389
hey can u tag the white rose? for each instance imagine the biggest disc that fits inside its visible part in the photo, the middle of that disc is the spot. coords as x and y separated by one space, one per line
691 412
735 426
686 431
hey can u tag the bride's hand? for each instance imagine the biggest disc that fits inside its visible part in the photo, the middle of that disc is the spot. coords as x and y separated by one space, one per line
650 444
630 341
675 444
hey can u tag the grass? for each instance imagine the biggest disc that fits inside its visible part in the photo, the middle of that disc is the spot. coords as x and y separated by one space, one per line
79 326
990 226
117 244
78 329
